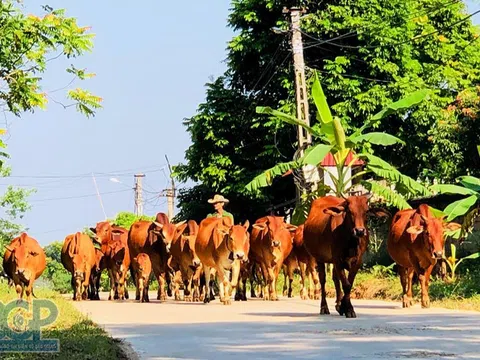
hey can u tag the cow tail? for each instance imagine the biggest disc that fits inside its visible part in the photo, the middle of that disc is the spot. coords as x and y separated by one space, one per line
35 296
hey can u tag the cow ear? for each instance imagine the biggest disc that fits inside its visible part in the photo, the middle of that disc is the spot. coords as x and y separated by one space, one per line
183 240
415 230
246 225
451 226
180 223
157 224
378 212
219 236
260 226
291 228
181 227
9 248
334 210
227 221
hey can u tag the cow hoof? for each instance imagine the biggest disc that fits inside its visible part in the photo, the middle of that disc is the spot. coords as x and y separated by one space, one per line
169 293
425 304
339 309
188 299
324 311
303 297
317 297
227 301
350 314
206 300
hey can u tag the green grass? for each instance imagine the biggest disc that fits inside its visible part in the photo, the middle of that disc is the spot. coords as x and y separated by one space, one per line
79 337
372 284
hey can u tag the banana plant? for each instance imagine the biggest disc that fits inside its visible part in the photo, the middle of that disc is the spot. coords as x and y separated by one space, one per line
453 262
331 138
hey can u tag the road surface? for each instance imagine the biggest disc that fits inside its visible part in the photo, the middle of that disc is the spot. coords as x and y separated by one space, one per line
287 329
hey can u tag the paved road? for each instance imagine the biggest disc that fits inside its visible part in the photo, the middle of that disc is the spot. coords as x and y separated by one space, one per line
287 329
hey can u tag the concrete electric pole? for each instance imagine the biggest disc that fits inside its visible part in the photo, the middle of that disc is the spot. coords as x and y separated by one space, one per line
138 194
170 193
304 137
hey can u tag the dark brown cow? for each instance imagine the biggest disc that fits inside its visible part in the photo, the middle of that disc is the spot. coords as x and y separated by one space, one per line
336 232
271 243
154 239
78 258
222 246
416 241
290 264
185 260
308 267
96 275
142 267
23 262
114 246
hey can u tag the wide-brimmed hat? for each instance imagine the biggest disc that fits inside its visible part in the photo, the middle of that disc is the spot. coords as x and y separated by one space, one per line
218 199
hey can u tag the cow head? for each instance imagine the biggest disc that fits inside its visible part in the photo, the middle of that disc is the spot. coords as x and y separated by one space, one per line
187 245
430 230
22 255
276 229
237 240
102 231
168 232
353 212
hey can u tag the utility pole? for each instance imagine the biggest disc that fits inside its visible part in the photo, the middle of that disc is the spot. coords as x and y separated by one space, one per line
98 195
170 193
304 137
138 194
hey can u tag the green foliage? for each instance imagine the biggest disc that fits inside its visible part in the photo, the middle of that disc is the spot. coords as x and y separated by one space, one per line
29 43
340 145
453 262
125 219
55 272
14 205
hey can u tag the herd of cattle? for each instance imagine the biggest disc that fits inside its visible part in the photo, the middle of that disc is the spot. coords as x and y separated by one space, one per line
191 256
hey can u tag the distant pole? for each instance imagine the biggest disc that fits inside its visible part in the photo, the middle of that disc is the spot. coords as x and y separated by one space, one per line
304 137
170 193
138 194
98 195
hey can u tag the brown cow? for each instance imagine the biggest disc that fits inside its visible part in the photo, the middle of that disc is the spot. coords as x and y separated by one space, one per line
143 268
114 243
222 246
308 267
154 239
335 233
415 242
290 264
185 260
78 258
96 275
23 262
271 244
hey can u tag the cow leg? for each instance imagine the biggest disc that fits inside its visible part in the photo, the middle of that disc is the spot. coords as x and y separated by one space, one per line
425 282
291 277
113 289
19 288
29 291
285 280
207 298
141 286
405 281
346 306
273 274
303 276
338 291
145 290
132 274
168 279
315 279
235 278
74 287
266 283
323 280
86 284
224 285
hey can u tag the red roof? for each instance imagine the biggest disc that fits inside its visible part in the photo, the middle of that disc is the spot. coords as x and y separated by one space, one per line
330 161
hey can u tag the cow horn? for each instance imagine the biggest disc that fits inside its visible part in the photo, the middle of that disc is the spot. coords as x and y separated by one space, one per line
180 223
158 224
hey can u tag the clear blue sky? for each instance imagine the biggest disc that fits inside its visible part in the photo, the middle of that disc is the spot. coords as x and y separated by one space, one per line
151 61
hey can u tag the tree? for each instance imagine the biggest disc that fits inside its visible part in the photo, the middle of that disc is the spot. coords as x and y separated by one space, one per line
55 272
15 204
368 54
29 44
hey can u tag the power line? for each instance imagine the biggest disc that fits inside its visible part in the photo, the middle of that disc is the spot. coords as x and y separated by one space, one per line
79 196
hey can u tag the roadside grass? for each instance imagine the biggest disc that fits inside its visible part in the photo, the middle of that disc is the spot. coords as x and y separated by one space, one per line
372 284
79 337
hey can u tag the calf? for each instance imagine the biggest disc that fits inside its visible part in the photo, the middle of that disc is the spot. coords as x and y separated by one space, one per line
335 232
308 267
78 258
222 246
415 242
23 262
114 246
271 244
155 239
143 268
184 259
96 275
